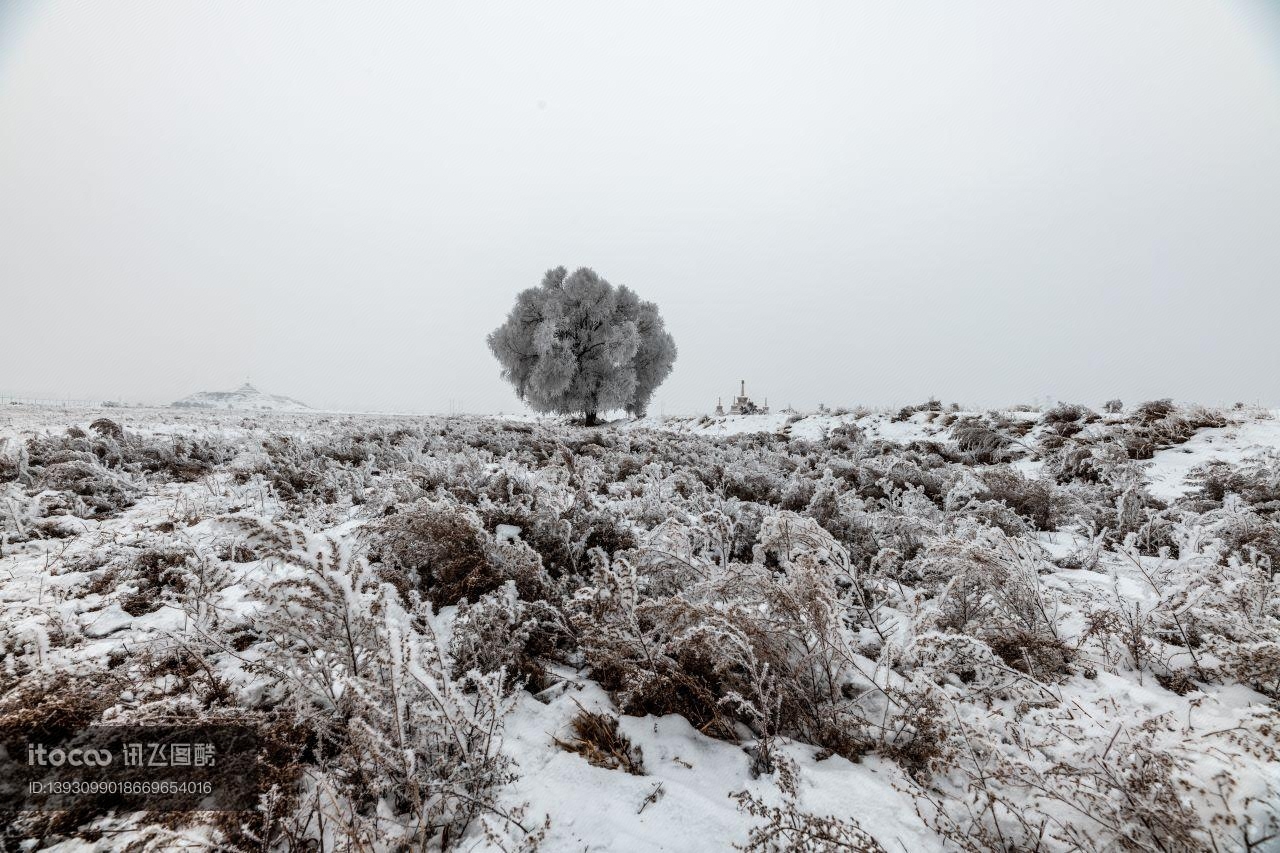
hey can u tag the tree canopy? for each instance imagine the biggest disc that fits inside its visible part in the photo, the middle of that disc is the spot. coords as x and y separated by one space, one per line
577 344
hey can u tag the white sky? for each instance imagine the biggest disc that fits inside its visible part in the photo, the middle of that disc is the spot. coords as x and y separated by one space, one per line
840 202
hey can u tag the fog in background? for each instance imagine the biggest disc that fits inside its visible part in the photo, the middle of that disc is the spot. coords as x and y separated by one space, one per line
839 202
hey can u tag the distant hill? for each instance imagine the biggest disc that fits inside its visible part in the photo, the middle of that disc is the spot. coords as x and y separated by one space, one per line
244 397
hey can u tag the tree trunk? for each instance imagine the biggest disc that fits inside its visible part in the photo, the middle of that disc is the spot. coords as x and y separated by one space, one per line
592 420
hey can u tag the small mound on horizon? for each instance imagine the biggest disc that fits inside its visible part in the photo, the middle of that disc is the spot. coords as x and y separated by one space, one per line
244 397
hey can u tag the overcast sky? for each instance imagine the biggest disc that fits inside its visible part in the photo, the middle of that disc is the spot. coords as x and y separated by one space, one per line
991 202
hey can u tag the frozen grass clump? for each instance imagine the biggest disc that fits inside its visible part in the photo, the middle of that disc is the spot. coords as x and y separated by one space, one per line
597 738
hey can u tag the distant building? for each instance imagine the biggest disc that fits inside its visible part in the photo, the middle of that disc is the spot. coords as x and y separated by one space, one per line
743 405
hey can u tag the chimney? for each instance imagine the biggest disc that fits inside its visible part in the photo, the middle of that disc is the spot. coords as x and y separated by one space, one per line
743 392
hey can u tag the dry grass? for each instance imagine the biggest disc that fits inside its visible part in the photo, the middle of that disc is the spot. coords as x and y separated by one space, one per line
596 738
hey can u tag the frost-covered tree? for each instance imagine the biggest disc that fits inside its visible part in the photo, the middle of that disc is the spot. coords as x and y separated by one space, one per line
578 344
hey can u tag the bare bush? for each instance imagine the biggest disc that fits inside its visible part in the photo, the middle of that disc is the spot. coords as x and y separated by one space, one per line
596 738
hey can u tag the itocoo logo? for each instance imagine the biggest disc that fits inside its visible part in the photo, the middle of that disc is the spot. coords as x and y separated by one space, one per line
38 754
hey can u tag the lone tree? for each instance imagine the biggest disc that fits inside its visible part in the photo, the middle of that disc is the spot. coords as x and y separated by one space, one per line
578 344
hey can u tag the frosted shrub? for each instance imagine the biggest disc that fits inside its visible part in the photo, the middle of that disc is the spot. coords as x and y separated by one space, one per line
1231 607
1255 481
1031 499
992 591
96 491
1147 785
1158 424
18 514
979 442
12 460
1133 792
742 643
1152 411
444 552
294 470
623 639
1090 463
501 633
158 574
907 411
967 665
407 753
787 828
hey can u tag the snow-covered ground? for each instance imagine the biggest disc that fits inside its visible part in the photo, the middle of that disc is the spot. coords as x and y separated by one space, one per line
813 427
1137 711
1231 444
